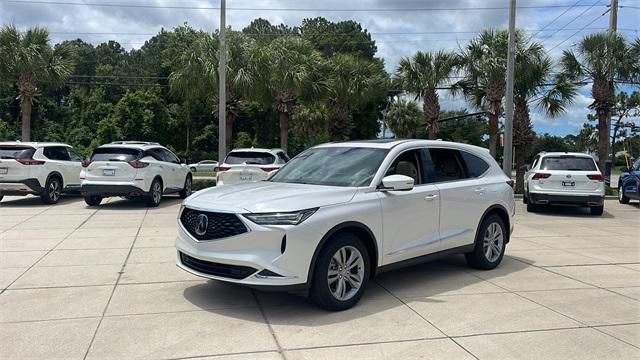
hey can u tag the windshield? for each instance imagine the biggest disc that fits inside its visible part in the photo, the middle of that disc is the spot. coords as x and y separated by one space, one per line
334 166
16 152
114 154
249 157
568 163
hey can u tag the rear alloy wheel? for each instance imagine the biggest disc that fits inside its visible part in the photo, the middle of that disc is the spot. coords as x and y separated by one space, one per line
621 197
597 210
341 273
93 200
186 190
52 191
490 244
155 193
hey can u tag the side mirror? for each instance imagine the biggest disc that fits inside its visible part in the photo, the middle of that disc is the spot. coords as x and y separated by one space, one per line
183 161
397 183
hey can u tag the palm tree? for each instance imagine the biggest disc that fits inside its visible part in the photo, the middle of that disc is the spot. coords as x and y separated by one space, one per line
285 70
28 58
484 63
602 57
533 70
350 81
196 74
404 118
422 75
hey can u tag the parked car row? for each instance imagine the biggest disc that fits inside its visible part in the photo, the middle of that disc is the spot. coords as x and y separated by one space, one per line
629 183
130 169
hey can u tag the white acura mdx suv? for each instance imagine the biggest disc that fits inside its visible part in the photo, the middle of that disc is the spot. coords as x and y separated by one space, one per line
44 169
133 169
338 214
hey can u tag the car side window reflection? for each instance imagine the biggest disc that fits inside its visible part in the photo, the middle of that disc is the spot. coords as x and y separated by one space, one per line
447 164
408 164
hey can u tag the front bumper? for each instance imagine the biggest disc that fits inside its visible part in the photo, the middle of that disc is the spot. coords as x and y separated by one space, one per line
556 199
116 189
264 257
20 187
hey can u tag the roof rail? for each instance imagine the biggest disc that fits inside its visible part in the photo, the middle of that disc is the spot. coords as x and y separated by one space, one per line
134 142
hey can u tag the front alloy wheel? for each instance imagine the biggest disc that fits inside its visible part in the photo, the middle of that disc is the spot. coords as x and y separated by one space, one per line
341 273
346 272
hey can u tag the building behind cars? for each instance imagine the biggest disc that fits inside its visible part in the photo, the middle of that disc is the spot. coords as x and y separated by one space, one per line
247 165
43 169
134 169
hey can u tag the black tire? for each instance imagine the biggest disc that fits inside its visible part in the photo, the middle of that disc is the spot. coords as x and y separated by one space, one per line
531 207
321 293
1 197
93 200
187 188
621 196
479 258
525 199
154 196
597 210
52 190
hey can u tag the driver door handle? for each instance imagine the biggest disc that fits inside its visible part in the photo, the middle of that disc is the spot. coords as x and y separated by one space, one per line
431 197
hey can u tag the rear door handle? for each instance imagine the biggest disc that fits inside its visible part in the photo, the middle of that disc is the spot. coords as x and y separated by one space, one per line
431 197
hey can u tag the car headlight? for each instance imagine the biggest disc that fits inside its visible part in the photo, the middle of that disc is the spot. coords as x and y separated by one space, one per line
280 218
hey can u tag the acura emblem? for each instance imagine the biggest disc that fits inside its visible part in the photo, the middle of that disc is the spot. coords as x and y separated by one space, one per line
202 223
568 176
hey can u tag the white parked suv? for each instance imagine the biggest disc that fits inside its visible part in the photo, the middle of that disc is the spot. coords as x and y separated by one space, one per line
44 169
564 178
134 169
246 165
338 214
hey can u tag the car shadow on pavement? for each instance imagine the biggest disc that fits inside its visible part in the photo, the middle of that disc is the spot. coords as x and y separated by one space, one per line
138 203
29 200
571 211
421 283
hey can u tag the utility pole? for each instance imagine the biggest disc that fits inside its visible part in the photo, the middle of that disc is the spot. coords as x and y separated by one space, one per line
222 93
613 27
508 106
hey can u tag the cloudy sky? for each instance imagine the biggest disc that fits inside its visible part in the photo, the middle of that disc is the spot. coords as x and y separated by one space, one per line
399 27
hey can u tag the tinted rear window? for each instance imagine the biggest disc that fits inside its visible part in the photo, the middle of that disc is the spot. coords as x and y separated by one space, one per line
114 154
475 165
16 152
568 163
251 158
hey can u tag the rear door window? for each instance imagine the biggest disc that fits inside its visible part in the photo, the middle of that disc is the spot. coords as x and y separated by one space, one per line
569 163
16 152
57 153
447 164
115 154
475 165
249 157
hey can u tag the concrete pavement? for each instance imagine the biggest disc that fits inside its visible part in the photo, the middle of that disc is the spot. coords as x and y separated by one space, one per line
100 283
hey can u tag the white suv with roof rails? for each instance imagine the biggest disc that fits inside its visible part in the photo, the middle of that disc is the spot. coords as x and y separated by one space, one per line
564 178
338 214
247 165
44 169
134 169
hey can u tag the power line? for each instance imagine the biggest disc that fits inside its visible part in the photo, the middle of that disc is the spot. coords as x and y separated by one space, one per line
554 20
572 20
301 9
575 33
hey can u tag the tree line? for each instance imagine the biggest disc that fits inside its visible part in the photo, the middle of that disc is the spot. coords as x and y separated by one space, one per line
295 87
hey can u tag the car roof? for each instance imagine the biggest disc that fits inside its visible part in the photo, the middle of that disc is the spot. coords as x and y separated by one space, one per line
33 144
559 153
391 143
132 145
270 151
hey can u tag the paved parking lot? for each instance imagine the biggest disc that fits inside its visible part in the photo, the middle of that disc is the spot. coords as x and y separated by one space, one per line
101 283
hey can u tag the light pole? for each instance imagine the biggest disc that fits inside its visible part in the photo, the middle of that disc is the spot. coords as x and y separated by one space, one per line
222 93
508 106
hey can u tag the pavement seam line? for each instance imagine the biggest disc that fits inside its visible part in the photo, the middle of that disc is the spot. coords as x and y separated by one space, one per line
425 319
556 311
113 290
50 250
266 320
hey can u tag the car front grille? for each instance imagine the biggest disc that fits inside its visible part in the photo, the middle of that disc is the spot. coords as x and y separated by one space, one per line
218 225
210 268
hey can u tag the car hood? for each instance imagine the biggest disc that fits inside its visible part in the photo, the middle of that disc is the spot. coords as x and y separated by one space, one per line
266 196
